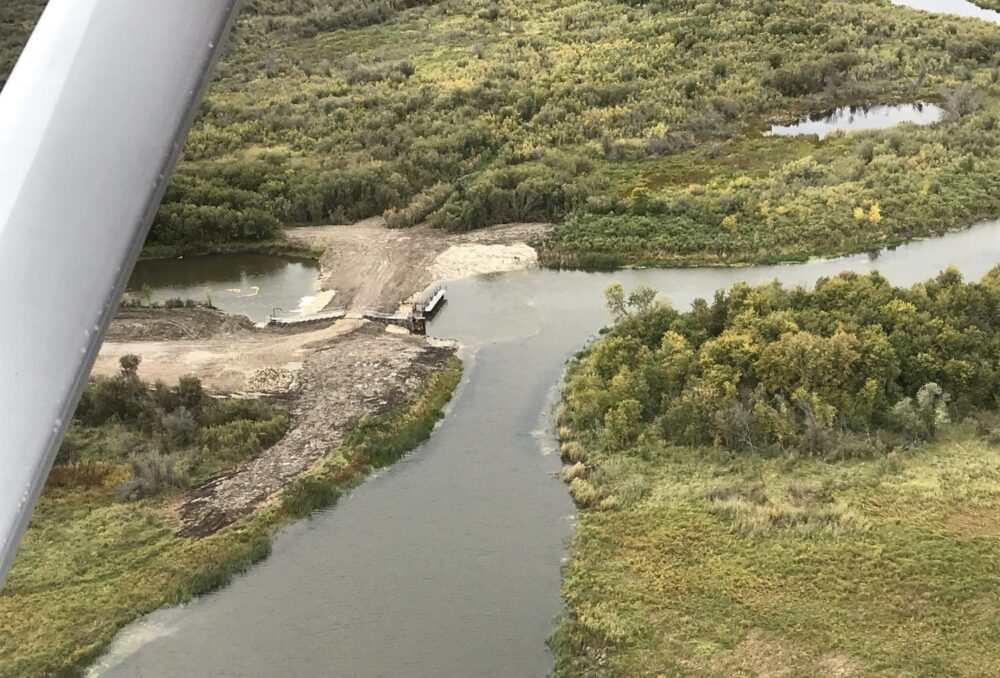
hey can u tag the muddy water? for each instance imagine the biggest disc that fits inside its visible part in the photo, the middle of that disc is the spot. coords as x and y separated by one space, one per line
957 7
858 118
448 563
246 284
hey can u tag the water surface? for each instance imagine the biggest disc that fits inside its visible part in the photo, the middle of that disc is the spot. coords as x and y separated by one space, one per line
448 563
246 284
956 7
861 117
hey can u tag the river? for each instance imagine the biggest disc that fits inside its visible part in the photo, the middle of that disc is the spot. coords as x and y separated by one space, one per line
448 563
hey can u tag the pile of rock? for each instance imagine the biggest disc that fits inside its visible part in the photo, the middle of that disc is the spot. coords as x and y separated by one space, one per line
270 380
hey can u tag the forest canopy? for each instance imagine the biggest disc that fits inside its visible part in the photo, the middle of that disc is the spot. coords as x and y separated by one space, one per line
853 367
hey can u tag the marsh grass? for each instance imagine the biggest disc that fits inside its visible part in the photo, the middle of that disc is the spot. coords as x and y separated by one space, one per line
90 564
738 564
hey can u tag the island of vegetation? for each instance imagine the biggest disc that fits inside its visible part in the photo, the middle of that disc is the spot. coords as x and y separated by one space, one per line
787 482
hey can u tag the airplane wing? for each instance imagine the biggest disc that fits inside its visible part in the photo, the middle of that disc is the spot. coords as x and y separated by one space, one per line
92 122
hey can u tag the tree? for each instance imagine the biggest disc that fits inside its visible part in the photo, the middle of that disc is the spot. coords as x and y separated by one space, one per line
622 306
130 364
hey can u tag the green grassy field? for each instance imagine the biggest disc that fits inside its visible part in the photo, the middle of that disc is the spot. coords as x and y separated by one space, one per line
90 563
715 563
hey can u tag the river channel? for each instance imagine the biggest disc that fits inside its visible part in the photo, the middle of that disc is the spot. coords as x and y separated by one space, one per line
448 563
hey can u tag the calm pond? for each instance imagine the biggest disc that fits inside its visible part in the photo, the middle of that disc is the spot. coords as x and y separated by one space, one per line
862 117
448 564
957 7
246 284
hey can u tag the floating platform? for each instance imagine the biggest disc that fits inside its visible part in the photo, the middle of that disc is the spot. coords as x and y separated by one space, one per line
294 321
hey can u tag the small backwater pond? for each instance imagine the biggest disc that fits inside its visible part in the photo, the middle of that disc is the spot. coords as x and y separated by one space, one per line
962 8
254 285
859 118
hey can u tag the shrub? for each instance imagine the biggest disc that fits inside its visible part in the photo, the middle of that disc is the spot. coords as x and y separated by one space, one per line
178 427
571 473
584 494
151 474
419 208
572 452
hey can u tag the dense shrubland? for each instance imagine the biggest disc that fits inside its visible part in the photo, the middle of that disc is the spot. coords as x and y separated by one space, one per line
845 194
166 436
854 367
636 123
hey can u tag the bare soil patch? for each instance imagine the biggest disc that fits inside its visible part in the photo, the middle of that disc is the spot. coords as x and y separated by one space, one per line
374 267
225 363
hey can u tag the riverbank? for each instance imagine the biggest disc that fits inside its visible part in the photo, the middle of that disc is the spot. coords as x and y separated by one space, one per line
90 564
282 247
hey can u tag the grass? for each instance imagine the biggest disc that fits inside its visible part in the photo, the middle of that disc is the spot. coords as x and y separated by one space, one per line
736 564
274 248
89 565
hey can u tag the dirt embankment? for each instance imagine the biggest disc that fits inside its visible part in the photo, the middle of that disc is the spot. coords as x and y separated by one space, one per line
330 376
374 267
363 372
248 360
164 324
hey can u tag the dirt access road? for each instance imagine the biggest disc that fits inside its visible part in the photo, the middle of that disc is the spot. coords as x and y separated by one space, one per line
370 266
